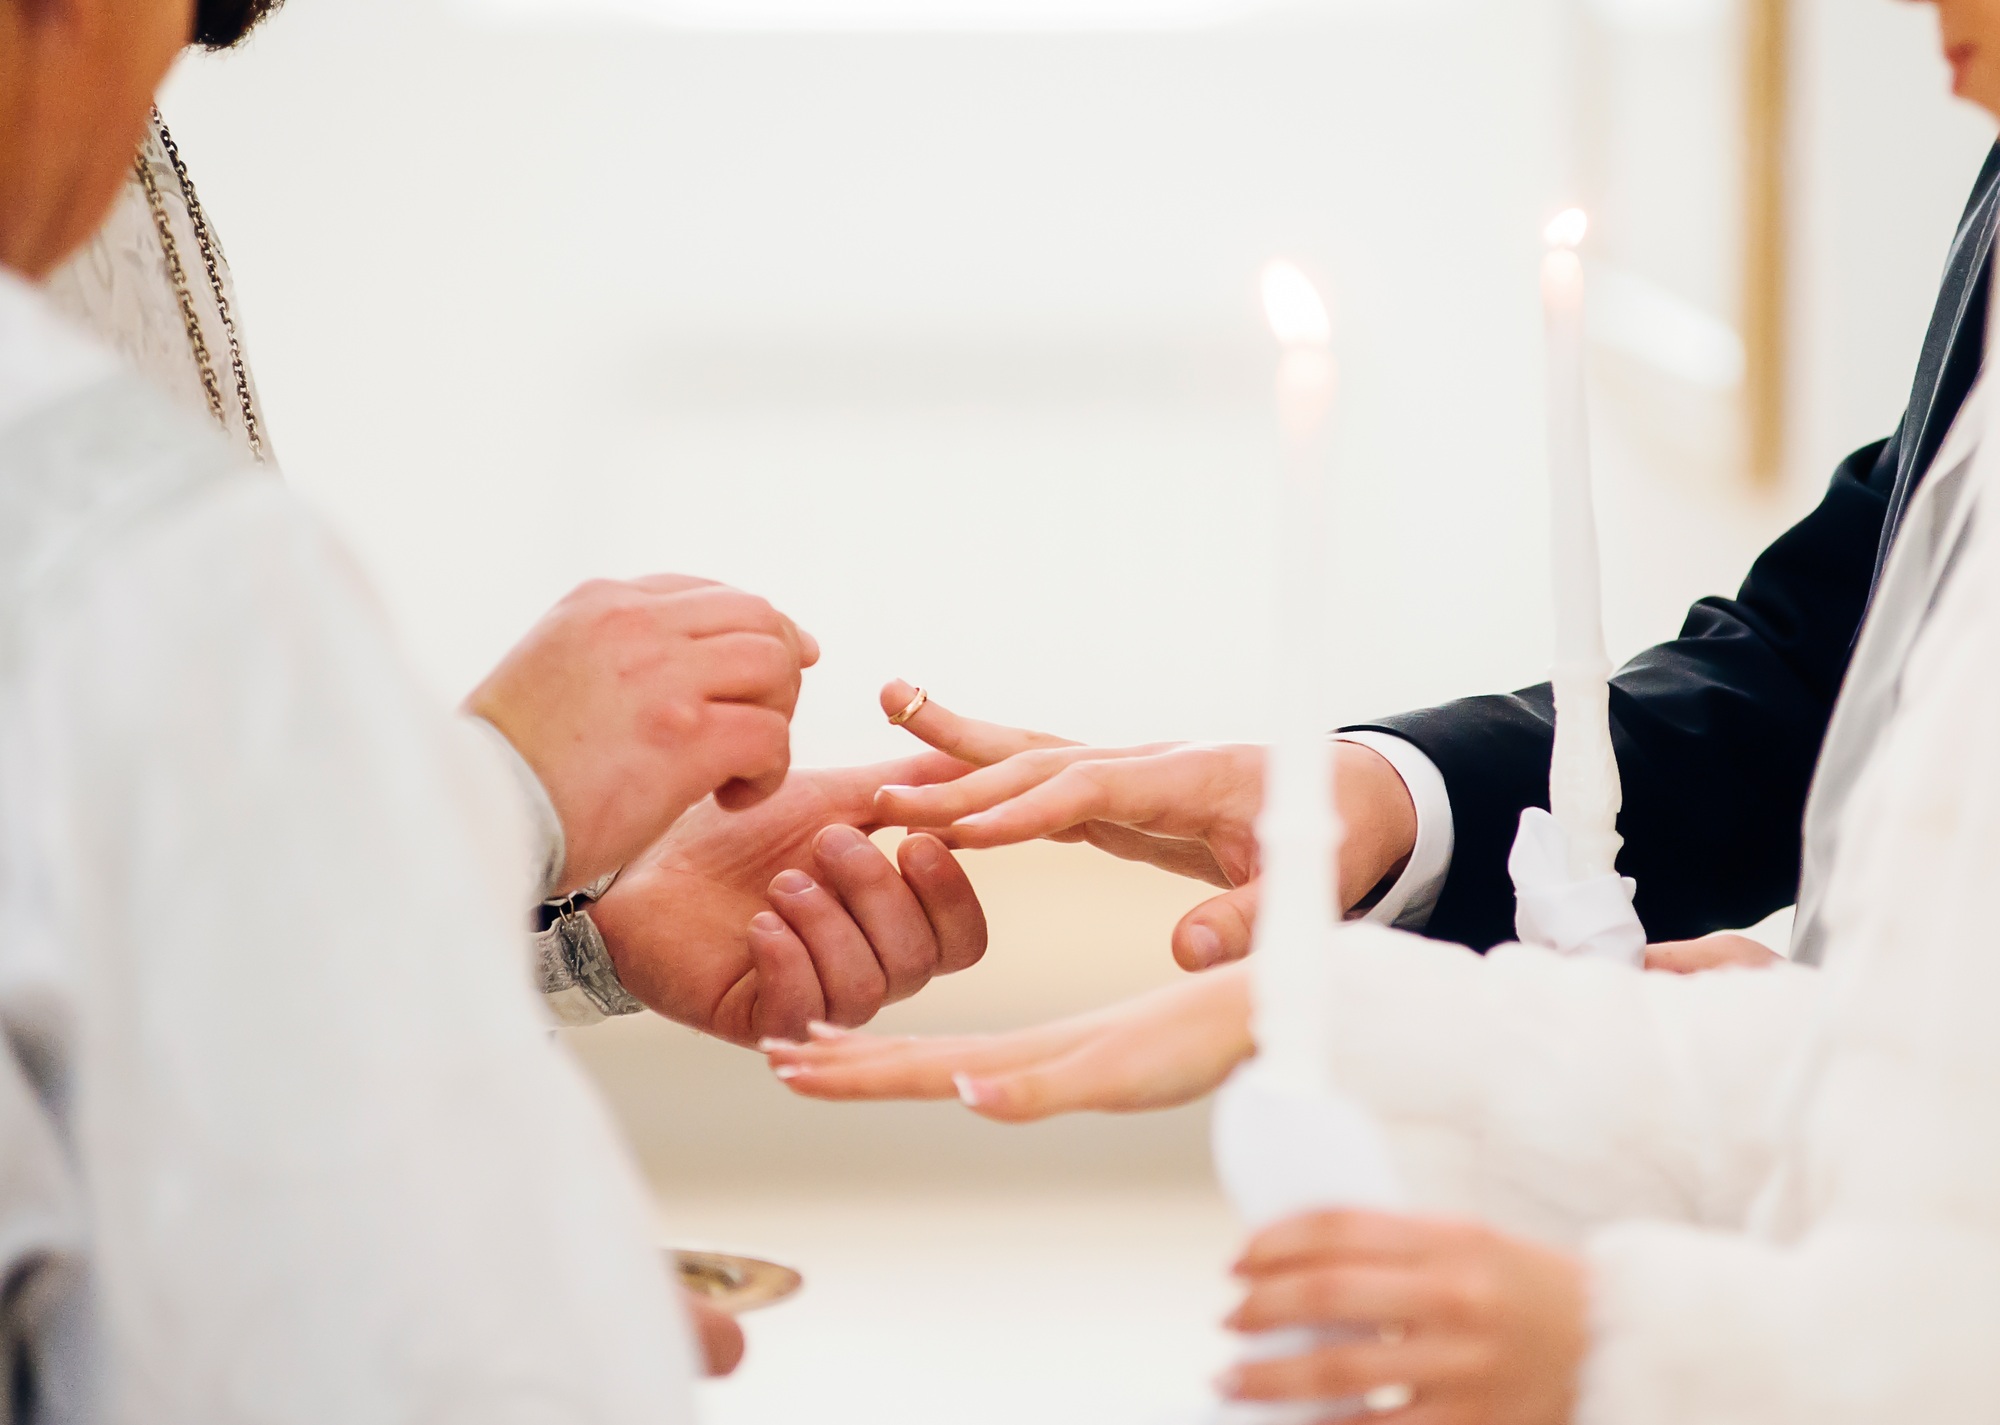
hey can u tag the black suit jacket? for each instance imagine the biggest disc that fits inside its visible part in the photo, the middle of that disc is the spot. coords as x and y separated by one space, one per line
1717 732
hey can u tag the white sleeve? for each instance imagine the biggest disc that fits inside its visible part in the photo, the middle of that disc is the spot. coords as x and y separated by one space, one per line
548 847
1864 1321
1409 901
1869 1289
337 1167
1553 1095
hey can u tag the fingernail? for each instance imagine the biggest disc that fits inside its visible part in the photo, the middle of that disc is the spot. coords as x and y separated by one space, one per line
1386 1398
842 841
775 1046
968 1092
1204 945
768 923
925 854
792 883
789 1071
820 1029
1230 1382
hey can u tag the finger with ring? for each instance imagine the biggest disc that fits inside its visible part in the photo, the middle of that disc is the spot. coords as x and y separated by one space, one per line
915 706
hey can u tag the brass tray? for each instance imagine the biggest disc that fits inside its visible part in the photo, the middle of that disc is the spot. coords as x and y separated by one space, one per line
731 1283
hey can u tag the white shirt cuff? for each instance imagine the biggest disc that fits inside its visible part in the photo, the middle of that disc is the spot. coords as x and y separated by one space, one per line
1410 901
551 849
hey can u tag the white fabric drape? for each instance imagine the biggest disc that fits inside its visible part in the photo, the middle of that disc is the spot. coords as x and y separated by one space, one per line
294 1143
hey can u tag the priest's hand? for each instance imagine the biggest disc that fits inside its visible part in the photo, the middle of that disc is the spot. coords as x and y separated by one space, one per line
1456 1322
1158 1050
634 700
752 924
1721 951
1185 807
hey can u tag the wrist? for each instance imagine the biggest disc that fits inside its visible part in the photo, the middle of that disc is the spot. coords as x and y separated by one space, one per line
1379 820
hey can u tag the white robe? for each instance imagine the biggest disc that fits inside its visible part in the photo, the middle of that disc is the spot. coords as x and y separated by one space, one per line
1786 1181
283 1134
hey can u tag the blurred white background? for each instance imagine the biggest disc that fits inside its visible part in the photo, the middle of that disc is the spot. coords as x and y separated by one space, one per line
934 320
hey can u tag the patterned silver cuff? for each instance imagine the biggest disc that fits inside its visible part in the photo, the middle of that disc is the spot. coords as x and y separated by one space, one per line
573 965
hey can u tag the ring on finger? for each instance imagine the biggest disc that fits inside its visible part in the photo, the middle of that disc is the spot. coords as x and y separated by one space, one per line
915 706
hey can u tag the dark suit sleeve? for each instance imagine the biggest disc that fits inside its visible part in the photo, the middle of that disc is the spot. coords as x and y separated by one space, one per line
1716 732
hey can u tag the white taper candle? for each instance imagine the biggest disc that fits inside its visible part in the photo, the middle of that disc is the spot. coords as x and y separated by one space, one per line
1584 794
1297 832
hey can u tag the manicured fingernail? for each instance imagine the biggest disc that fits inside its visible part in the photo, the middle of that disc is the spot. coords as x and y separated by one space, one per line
777 1046
767 922
1204 945
1385 1398
792 883
968 1091
789 1071
820 1029
842 841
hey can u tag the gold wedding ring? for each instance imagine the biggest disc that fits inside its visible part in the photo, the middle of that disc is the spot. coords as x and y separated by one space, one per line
916 706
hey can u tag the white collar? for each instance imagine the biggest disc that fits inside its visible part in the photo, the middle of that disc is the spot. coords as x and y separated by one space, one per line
42 357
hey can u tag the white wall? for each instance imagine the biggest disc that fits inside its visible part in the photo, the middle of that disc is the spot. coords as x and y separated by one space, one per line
947 342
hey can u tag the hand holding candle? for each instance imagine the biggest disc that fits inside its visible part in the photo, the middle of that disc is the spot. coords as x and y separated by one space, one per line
1285 1141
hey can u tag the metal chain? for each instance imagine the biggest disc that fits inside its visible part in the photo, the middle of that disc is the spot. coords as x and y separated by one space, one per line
211 254
178 275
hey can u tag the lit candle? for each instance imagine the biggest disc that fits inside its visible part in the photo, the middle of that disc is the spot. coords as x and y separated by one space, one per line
1286 1141
1297 833
1584 794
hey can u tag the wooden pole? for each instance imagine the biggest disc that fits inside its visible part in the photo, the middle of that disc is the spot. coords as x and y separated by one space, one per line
1768 63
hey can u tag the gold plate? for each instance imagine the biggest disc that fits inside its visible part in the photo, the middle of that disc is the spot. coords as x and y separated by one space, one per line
734 1284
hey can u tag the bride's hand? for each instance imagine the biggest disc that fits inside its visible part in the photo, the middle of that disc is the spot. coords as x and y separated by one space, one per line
1158 1050
990 744
1471 1325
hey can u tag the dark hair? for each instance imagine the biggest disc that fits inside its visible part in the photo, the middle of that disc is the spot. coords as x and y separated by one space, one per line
218 24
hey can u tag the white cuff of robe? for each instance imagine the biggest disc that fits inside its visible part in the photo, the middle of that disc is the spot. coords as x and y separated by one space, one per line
1410 901
551 849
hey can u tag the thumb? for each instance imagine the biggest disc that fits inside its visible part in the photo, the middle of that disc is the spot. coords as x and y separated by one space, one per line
1217 931
967 739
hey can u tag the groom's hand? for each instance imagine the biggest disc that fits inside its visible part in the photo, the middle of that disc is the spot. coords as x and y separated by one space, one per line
634 700
1184 807
753 924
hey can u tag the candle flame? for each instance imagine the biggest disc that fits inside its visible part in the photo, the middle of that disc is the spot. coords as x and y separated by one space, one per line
1293 307
1567 228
